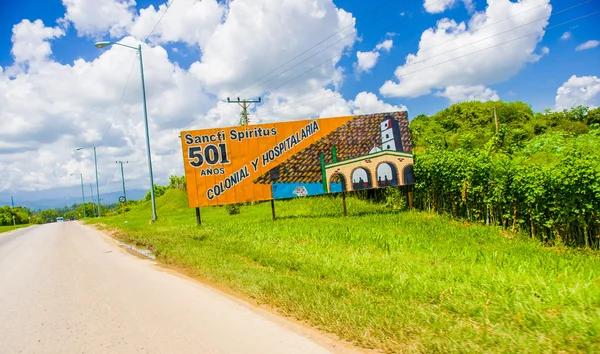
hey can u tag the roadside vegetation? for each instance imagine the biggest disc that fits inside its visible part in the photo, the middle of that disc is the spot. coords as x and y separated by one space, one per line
538 173
394 280
7 228
500 253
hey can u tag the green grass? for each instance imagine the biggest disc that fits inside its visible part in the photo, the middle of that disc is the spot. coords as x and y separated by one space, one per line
409 282
11 227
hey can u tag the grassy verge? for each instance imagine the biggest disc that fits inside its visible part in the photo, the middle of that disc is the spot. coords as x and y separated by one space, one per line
409 282
11 227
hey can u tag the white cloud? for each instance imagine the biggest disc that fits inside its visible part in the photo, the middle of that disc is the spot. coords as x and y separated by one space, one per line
584 90
260 35
367 103
477 53
545 50
566 35
461 93
49 108
30 40
96 17
437 6
189 21
325 104
588 45
385 45
366 61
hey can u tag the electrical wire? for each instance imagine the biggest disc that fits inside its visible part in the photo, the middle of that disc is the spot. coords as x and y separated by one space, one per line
119 104
471 53
339 55
160 19
355 31
314 46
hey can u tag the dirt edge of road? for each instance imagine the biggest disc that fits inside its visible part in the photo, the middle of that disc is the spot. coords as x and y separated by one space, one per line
326 339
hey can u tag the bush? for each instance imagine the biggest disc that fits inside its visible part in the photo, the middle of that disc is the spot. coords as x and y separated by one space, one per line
233 209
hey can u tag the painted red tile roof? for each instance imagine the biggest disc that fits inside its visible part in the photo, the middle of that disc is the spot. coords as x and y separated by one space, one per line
355 138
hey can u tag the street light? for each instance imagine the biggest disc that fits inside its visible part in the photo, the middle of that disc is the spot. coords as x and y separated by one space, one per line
82 194
139 50
97 188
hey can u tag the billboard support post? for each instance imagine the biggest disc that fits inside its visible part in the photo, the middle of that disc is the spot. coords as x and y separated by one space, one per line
273 209
344 202
198 219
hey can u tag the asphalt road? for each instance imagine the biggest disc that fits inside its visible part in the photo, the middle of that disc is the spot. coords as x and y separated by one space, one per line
65 288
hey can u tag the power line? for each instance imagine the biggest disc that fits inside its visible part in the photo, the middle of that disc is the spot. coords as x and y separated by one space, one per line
314 46
119 104
439 44
475 52
130 71
160 19
486 26
499 44
336 42
352 33
339 55
495 35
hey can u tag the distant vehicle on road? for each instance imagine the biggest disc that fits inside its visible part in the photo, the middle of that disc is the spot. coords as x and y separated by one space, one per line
60 219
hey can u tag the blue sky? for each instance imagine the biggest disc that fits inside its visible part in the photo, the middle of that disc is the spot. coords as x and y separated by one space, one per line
536 84
61 92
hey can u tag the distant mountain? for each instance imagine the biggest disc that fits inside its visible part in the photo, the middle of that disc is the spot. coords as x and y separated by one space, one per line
51 203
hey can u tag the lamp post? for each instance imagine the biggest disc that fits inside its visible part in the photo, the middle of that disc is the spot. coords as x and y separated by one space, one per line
139 50
82 193
97 188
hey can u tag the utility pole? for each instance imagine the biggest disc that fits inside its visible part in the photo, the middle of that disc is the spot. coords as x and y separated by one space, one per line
97 188
244 105
12 202
123 178
82 193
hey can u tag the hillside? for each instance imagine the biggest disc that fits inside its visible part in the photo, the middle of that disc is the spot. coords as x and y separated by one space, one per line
471 124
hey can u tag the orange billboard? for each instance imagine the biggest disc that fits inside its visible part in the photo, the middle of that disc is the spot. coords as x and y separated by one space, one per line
296 159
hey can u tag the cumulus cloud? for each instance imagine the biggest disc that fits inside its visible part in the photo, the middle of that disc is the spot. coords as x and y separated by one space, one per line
327 103
49 108
368 102
231 58
189 21
437 6
31 41
367 60
95 18
385 45
577 91
480 52
588 45
462 93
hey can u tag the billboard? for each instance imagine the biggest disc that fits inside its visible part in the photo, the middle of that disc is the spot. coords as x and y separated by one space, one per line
297 159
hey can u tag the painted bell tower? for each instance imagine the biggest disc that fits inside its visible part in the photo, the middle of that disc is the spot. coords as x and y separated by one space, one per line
391 137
